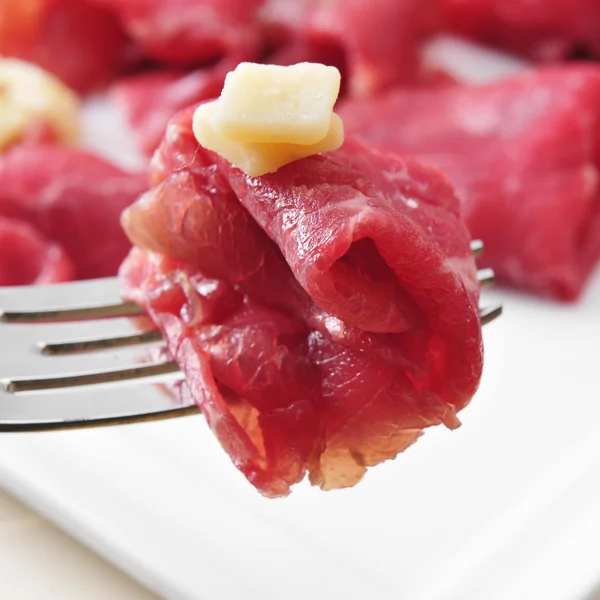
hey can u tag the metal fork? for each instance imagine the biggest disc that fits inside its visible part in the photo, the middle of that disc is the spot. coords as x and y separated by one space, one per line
86 328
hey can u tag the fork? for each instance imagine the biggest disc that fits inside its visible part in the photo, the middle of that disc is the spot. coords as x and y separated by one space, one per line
88 332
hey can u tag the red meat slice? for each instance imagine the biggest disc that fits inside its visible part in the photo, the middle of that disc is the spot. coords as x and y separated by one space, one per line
375 43
542 29
523 154
78 42
150 100
72 198
29 257
186 32
189 32
247 367
267 291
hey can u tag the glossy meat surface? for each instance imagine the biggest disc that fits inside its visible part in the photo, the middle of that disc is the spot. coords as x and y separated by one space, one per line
323 315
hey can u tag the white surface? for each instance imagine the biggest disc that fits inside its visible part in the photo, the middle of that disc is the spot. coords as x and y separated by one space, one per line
41 562
504 508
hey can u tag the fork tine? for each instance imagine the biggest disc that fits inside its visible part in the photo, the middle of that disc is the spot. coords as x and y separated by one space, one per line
486 277
61 295
125 419
70 406
59 302
477 248
104 311
92 407
29 384
490 313
93 344
73 408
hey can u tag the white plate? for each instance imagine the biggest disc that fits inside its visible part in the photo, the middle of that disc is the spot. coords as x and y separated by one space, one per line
37 557
504 508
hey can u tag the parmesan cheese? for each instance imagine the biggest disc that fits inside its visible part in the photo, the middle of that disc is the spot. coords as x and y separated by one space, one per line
260 158
268 116
28 96
269 103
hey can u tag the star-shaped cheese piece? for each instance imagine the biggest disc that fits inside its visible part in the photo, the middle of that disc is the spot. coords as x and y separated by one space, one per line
268 116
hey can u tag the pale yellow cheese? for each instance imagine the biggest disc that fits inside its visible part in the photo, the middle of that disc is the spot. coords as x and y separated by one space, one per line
268 116
258 159
270 103
29 94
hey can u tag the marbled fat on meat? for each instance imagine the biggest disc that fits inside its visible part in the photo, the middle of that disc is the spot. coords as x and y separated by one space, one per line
323 315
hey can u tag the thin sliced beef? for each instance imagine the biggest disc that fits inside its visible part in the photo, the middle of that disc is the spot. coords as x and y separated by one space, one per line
544 30
72 198
216 35
29 257
246 366
77 41
323 315
523 155
149 100
375 43
189 32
